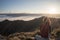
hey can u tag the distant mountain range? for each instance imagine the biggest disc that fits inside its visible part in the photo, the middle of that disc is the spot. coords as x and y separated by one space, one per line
8 27
21 14
28 14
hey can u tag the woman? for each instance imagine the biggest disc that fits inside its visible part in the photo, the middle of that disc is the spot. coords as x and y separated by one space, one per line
45 28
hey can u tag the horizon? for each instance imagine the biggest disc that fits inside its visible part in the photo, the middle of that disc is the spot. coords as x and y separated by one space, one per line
25 17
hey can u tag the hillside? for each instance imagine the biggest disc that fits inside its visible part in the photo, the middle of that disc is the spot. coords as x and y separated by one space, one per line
8 27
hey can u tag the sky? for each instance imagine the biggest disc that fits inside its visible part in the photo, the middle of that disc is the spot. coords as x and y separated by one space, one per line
29 6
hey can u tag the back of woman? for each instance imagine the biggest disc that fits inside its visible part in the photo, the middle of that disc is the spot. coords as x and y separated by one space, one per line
45 28
44 31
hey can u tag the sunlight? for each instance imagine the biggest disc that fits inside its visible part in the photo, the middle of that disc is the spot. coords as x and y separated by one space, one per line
52 10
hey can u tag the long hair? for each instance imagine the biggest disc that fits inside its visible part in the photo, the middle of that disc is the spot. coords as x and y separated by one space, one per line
46 20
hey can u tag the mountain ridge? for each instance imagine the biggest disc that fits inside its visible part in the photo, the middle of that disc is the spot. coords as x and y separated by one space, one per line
8 27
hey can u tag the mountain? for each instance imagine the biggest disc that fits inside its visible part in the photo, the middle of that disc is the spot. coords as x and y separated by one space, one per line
19 14
8 27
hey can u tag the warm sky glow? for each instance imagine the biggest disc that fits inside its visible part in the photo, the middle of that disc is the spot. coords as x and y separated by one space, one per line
52 10
30 6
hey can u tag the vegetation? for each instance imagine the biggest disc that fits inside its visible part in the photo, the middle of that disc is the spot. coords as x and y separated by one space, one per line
25 30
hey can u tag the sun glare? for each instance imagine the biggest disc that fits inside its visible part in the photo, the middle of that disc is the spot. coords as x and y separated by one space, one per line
52 10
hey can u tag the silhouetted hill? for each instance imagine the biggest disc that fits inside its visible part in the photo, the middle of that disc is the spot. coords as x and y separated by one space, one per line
8 27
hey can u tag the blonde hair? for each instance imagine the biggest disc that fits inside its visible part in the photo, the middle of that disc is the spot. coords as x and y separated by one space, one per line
46 20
